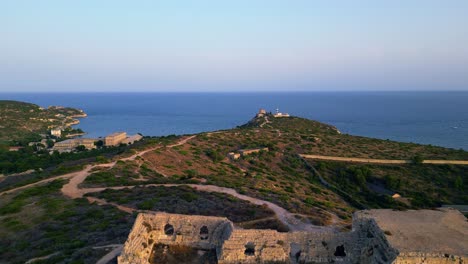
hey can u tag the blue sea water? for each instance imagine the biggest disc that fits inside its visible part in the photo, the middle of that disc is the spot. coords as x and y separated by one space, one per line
437 118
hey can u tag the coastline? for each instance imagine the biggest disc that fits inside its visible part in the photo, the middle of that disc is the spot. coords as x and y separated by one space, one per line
397 116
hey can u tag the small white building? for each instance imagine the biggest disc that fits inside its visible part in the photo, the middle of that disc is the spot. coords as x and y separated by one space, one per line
233 155
279 114
56 132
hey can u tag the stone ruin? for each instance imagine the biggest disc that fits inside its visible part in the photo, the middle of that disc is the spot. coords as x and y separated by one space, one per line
375 238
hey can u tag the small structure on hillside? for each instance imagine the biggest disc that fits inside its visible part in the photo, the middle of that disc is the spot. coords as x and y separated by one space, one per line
57 132
261 113
233 155
245 152
279 114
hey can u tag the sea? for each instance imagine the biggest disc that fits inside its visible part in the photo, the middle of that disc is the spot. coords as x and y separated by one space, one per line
436 118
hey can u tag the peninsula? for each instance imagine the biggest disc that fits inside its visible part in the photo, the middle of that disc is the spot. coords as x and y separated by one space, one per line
25 122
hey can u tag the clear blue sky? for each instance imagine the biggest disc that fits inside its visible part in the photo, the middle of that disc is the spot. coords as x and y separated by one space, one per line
184 45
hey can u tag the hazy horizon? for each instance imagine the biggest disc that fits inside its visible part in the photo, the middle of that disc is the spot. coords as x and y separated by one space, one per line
214 46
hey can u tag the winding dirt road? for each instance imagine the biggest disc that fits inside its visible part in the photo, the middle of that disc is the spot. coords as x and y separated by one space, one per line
287 218
72 190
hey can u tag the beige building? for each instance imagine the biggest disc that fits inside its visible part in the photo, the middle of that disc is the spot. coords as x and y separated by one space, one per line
132 139
115 138
56 132
261 113
71 144
245 152
233 155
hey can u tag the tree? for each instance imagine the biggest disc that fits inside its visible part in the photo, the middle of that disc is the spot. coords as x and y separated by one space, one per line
80 148
459 183
50 143
392 182
99 143
417 159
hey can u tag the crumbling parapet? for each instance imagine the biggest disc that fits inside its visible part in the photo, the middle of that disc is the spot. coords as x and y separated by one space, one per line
250 246
378 236
201 232
134 249
421 236
365 244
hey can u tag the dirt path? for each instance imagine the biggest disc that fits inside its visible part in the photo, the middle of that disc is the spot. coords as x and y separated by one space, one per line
72 190
65 176
111 255
41 258
381 161
79 176
287 218
267 121
104 202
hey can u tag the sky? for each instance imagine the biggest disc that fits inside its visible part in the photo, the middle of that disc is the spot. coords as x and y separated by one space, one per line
241 45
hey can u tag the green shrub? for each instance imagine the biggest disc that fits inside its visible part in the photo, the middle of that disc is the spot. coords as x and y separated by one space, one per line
417 159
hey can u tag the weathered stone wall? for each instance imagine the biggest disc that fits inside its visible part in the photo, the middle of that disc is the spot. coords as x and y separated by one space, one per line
365 244
134 249
248 246
428 258
369 242
202 232
422 236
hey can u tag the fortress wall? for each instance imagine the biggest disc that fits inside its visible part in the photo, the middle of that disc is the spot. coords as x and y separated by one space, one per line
187 230
427 258
173 229
420 236
247 246
373 245
366 243
134 251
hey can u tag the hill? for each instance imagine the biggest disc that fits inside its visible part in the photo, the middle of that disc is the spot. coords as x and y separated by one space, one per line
253 175
23 122
308 187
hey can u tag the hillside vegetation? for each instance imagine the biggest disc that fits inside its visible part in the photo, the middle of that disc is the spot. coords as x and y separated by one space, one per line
40 221
21 122
281 176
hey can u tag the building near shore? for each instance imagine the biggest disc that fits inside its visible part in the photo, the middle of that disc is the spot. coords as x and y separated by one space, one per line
115 139
57 132
71 144
132 139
